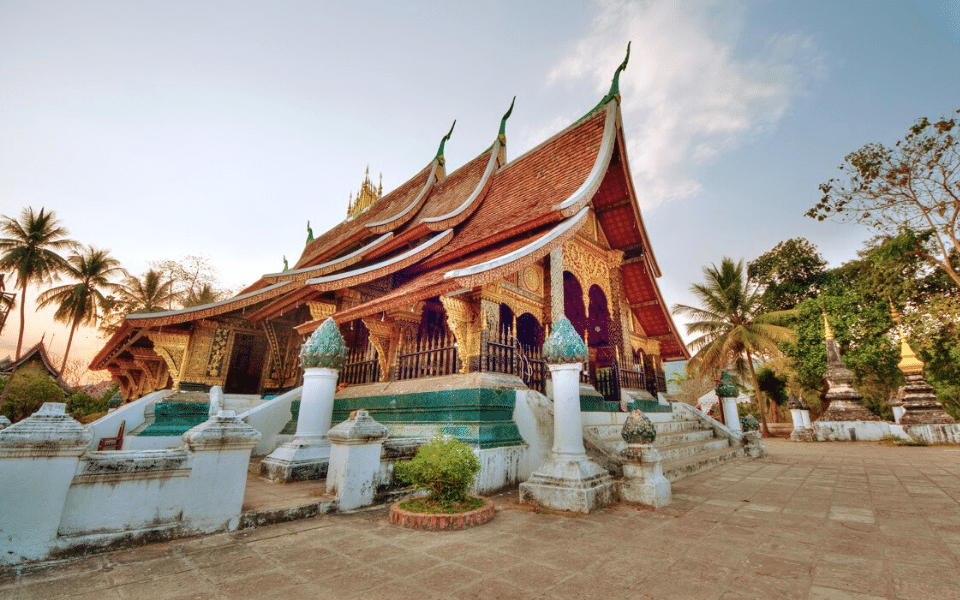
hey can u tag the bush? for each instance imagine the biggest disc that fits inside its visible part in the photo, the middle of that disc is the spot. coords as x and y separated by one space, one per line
28 391
444 467
80 404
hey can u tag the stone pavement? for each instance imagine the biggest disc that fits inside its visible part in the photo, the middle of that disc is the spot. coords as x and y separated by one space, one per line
823 521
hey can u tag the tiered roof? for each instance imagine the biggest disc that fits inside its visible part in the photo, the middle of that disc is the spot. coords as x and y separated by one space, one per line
485 220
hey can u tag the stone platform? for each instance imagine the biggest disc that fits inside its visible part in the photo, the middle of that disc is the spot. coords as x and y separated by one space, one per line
820 521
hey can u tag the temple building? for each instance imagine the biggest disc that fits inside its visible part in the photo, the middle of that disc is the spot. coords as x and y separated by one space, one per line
450 274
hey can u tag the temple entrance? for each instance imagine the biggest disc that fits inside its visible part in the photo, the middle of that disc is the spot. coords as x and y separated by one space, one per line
599 327
246 364
529 332
573 307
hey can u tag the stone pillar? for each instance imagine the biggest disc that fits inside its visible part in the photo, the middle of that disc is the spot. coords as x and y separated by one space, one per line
802 431
727 392
307 456
38 459
752 440
221 447
643 480
569 479
355 450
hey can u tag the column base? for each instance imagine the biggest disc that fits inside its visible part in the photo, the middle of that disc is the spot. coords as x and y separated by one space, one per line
643 480
576 484
299 460
801 434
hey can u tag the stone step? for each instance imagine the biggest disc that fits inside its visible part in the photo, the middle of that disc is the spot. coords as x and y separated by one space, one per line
682 437
689 449
680 425
678 469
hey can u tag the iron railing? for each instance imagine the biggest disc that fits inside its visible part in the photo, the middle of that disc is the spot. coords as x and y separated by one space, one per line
429 356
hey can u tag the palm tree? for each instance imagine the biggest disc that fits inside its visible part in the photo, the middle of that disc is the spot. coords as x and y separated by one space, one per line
29 249
730 327
205 295
82 302
149 293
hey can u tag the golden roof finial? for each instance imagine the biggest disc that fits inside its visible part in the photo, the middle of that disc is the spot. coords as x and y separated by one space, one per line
909 363
827 332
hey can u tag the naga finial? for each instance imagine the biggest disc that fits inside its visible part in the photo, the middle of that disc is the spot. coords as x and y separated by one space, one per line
439 156
502 136
615 85
309 233
285 265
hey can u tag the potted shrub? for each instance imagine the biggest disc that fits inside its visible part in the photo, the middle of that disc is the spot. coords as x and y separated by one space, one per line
444 468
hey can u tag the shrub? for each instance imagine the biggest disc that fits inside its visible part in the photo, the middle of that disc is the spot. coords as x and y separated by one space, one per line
28 391
444 467
80 404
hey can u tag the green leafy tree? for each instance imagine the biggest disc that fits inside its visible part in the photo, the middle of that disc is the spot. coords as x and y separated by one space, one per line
80 303
29 248
195 280
910 191
731 328
26 392
792 271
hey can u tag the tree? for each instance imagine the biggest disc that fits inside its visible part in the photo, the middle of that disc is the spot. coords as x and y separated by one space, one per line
912 187
151 292
29 249
731 327
27 390
792 271
195 280
80 303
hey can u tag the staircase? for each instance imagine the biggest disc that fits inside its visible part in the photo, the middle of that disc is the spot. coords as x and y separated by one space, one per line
688 444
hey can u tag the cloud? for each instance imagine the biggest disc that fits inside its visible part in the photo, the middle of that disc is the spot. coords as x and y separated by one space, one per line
690 92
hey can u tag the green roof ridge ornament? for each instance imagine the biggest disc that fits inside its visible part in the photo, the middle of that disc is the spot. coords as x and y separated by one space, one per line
309 233
726 388
564 346
502 135
614 86
324 348
286 267
439 157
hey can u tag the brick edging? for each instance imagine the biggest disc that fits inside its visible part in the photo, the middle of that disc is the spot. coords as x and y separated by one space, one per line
441 521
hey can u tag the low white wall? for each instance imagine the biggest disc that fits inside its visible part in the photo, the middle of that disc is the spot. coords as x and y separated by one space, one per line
500 468
56 501
151 442
133 413
735 437
862 431
269 418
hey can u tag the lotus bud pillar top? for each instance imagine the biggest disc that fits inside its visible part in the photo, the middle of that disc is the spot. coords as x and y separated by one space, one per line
727 392
568 480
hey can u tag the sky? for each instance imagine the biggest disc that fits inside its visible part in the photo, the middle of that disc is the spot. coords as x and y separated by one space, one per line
160 129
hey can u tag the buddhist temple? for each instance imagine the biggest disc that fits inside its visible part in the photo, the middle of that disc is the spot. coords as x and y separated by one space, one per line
455 272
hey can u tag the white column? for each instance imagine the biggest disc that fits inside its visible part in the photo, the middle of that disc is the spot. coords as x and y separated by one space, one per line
567 420
797 418
805 415
730 414
316 403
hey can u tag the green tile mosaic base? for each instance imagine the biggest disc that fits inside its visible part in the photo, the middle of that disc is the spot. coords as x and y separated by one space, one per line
481 417
176 418
649 406
597 404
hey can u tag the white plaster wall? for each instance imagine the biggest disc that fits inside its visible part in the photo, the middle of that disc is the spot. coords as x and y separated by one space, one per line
127 490
499 468
216 486
839 431
32 495
240 403
353 473
151 442
533 414
133 413
935 434
269 418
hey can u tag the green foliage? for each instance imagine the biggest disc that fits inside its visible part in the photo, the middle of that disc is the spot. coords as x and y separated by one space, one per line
792 271
80 404
27 392
444 467
911 186
773 386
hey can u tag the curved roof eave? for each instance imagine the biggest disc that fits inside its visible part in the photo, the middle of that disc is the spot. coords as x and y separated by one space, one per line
377 270
532 251
170 317
330 266
407 213
459 214
589 187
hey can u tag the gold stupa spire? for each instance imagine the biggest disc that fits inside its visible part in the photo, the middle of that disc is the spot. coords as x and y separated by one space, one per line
827 332
909 362
367 195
